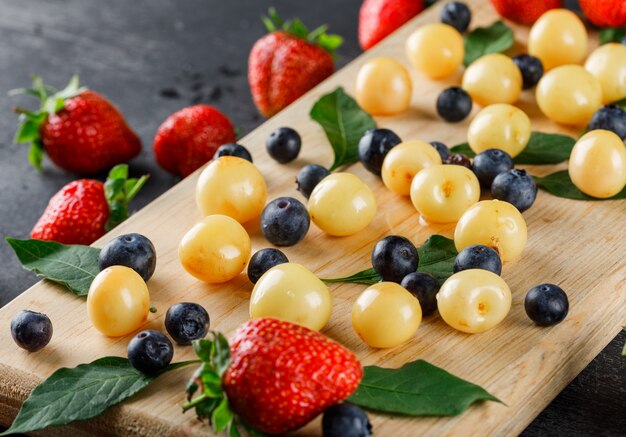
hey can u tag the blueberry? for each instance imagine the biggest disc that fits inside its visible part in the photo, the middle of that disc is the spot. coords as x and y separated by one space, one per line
131 250
374 146
284 144
457 15
609 117
478 257
186 322
623 41
424 287
546 304
490 163
308 177
443 150
531 69
458 159
394 257
285 221
516 187
30 330
150 352
345 420
264 260
233 150
454 104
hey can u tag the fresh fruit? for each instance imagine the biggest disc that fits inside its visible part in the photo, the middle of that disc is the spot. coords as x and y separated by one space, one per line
84 210
30 330
524 11
342 204
285 221
442 193
233 150
531 69
374 146
478 256
558 38
262 261
284 144
597 164
546 304
150 352
394 257
443 150
189 138
605 13
383 87
404 161
345 420
457 15
231 186
474 301
611 118
490 163
458 159
569 95
80 130
424 287
131 250
386 315
186 322
493 78
454 104
308 177
495 224
118 302
435 50
215 250
500 126
290 292
287 62
608 64
379 18
516 187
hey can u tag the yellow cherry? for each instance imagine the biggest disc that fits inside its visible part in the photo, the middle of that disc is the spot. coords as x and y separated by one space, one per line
404 161
436 50
500 126
493 78
383 87
608 64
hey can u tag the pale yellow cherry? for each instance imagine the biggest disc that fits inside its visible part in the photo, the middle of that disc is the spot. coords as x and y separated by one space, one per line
436 50
493 78
404 161
597 164
608 64
383 87
499 126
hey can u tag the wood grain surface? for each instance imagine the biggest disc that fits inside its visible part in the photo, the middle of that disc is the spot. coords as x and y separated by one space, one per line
578 245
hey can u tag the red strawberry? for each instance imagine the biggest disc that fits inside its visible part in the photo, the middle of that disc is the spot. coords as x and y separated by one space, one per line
379 18
81 131
605 13
288 62
187 139
83 210
524 11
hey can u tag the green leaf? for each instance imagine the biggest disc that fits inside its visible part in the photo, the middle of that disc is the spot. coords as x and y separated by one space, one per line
416 389
27 132
484 40
344 123
611 34
621 104
119 191
73 266
35 154
366 277
559 184
222 416
624 350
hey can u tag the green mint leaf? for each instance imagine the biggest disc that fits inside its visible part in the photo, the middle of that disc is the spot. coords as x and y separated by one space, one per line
559 184
611 34
73 266
485 40
344 123
416 389
366 277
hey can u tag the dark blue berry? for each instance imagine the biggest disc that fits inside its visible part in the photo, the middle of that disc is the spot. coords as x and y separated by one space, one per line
30 330
186 322
516 187
623 41
457 15
394 257
284 144
285 221
458 159
345 420
424 287
150 352
131 250
233 150
478 257
374 146
531 69
443 150
610 117
454 104
308 177
546 304
262 261
490 163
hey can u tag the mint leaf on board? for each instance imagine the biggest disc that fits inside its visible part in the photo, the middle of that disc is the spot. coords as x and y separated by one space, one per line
417 389
611 34
621 104
559 184
74 266
344 123
485 40
366 277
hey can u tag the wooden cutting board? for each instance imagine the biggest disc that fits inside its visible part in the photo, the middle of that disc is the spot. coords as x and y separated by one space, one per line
578 245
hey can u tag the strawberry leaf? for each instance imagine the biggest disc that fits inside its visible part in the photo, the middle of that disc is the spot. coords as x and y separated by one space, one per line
35 154
119 191
485 40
